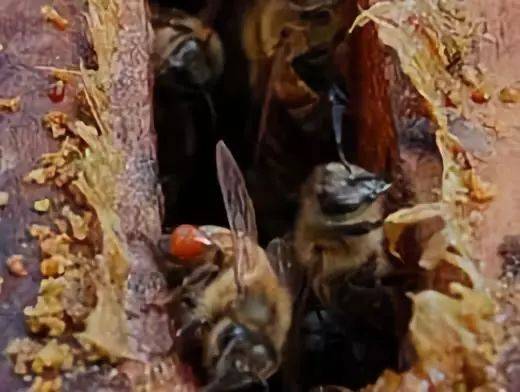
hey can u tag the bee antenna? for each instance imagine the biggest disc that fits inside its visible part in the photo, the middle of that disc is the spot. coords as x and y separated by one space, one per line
190 327
338 99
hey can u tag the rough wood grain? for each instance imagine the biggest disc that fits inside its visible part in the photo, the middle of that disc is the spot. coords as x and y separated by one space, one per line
394 133
500 56
29 42
405 145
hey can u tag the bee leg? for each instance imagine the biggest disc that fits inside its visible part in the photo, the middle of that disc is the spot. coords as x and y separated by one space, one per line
164 260
191 327
201 276
165 299
195 283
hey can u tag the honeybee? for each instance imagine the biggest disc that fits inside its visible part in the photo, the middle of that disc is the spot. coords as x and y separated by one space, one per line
289 40
245 309
339 231
186 50
188 60
268 23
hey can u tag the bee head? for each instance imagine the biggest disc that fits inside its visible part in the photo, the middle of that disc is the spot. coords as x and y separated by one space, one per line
342 189
241 357
189 64
189 52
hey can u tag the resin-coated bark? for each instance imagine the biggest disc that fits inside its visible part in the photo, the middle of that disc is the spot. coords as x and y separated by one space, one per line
30 48
28 42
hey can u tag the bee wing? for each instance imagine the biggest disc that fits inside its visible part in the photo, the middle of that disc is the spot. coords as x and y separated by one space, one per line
240 213
283 263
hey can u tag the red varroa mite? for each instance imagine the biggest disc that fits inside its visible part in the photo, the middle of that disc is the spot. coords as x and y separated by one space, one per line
57 92
187 242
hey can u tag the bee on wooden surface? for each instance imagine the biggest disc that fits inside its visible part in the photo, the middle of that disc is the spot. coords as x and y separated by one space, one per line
185 50
289 45
188 61
339 229
244 308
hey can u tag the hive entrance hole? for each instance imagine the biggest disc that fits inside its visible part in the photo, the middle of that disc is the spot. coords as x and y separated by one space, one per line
353 355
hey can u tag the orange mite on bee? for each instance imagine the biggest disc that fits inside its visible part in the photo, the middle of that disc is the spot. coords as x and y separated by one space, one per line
188 243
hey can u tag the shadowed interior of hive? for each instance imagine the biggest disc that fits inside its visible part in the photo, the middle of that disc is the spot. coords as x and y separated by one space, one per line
335 348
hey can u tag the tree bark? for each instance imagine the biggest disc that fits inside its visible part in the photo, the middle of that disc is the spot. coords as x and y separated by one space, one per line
30 45
396 135
28 42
